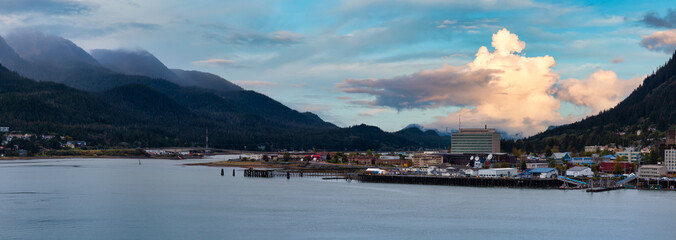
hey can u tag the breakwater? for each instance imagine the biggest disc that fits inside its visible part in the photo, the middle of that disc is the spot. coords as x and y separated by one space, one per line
460 181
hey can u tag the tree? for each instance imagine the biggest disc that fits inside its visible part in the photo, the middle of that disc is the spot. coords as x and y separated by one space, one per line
522 165
287 157
552 163
618 167
369 152
548 152
516 152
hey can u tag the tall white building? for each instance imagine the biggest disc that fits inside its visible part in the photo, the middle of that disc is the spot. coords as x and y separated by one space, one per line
670 160
475 140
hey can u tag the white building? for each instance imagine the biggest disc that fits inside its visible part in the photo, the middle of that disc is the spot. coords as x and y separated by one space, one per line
498 172
579 171
652 171
670 160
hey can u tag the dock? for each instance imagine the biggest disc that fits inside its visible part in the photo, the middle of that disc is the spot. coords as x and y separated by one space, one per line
460 181
604 189
268 173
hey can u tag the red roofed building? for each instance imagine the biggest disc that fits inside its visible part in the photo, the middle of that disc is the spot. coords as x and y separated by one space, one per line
609 167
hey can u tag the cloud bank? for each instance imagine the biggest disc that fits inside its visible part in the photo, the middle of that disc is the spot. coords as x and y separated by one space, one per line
651 19
501 88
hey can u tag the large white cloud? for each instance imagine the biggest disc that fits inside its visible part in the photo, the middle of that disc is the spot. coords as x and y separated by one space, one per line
501 88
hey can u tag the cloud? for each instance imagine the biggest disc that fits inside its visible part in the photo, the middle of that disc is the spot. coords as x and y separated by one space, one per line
372 112
601 91
661 41
501 88
426 89
48 7
256 83
215 62
257 38
668 21
446 22
605 21
617 60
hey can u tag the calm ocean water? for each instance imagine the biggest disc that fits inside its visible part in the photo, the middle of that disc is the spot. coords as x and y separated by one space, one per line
161 199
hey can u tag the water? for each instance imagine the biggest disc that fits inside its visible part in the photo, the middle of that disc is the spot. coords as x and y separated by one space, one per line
161 199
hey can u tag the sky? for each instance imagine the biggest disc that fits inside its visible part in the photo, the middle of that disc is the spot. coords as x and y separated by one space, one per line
519 66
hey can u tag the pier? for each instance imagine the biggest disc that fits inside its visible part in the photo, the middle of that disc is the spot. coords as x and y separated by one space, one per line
461 181
266 173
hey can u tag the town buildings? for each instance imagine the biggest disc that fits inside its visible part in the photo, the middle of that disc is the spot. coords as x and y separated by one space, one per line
475 140
426 160
652 171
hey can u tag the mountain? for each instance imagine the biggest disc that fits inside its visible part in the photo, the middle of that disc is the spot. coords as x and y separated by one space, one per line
108 103
41 48
651 105
143 63
9 58
137 115
139 62
424 138
204 80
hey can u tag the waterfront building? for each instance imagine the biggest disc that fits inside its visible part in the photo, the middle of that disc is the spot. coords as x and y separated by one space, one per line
498 172
609 167
426 160
536 164
390 161
579 171
652 171
475 140
362 160
670 160
544 173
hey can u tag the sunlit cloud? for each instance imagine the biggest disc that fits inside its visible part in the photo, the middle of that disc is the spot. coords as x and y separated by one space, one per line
664 41
503 87
215 62
601 91
617 60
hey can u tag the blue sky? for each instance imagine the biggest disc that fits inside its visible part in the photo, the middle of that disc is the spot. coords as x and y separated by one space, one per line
390 63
